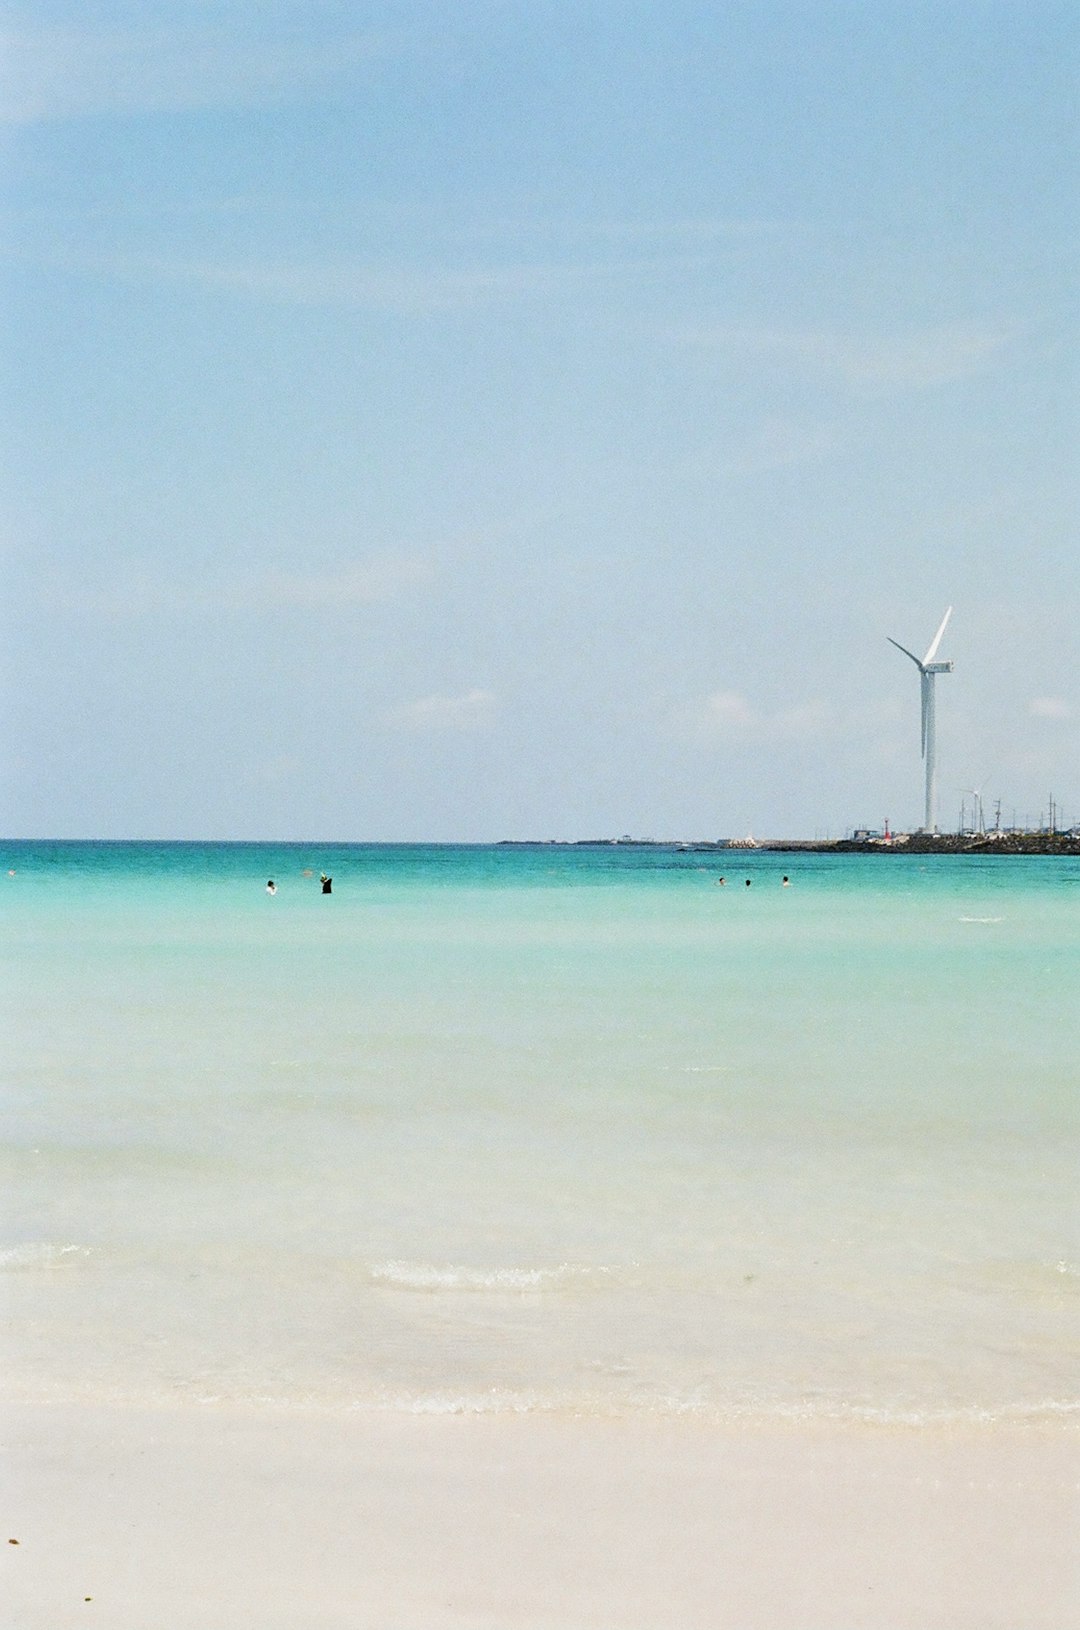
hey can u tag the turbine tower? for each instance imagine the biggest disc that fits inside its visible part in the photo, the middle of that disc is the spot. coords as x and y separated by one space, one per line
928 672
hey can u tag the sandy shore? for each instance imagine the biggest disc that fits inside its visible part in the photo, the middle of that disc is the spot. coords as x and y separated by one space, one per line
206 1520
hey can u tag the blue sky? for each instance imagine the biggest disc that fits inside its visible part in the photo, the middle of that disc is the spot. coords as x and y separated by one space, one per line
504 419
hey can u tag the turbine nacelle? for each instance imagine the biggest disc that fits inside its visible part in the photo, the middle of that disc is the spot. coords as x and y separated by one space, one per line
928 665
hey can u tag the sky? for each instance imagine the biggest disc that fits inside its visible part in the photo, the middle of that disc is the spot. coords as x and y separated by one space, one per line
525 419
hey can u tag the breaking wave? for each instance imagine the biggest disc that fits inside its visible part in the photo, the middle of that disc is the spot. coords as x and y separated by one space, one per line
426 1276
40 1254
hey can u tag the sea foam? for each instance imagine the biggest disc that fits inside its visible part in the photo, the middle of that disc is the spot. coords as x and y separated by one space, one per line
40 1254
426 1276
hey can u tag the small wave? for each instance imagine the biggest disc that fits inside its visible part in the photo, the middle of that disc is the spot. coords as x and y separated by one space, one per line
425 1276
718 1412
955 1415
39 1254
493 1402
982 919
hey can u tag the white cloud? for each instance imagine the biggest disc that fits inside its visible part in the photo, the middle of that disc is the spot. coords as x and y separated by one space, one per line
472 711
728 714
1050 707
727 709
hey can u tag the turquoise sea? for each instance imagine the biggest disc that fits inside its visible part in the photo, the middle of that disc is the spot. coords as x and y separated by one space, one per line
541 1129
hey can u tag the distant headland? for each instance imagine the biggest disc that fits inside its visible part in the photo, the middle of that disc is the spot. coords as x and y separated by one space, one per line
946 843
897 843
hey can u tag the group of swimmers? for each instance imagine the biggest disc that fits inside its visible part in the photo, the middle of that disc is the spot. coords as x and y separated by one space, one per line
271 887
721 881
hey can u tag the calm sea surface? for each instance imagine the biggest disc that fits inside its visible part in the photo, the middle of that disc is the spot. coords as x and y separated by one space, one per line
524 1129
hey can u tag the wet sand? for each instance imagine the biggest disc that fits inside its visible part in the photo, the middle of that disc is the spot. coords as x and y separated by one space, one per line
202 1519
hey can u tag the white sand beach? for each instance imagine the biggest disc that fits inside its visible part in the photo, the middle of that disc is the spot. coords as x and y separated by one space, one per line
201 1520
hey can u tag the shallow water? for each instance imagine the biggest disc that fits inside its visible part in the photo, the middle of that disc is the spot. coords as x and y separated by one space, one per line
542 1129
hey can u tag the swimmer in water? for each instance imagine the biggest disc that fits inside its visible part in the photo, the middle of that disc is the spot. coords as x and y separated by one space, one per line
749 880
787 882
720 881
271 887
326 882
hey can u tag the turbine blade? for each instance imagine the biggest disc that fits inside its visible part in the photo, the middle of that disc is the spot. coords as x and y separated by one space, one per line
905 650
932 653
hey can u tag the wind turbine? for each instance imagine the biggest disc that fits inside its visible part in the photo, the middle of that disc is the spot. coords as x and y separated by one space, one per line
928 672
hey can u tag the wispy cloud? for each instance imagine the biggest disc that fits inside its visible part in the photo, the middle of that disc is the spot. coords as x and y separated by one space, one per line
382 284
472 711
273 772
661 233
63 73
728 715
727 710
912 358
1050 707
772 444
367 583
137 592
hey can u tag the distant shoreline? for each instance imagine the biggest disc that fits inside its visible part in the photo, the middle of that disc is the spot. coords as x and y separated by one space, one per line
921 843
915 843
